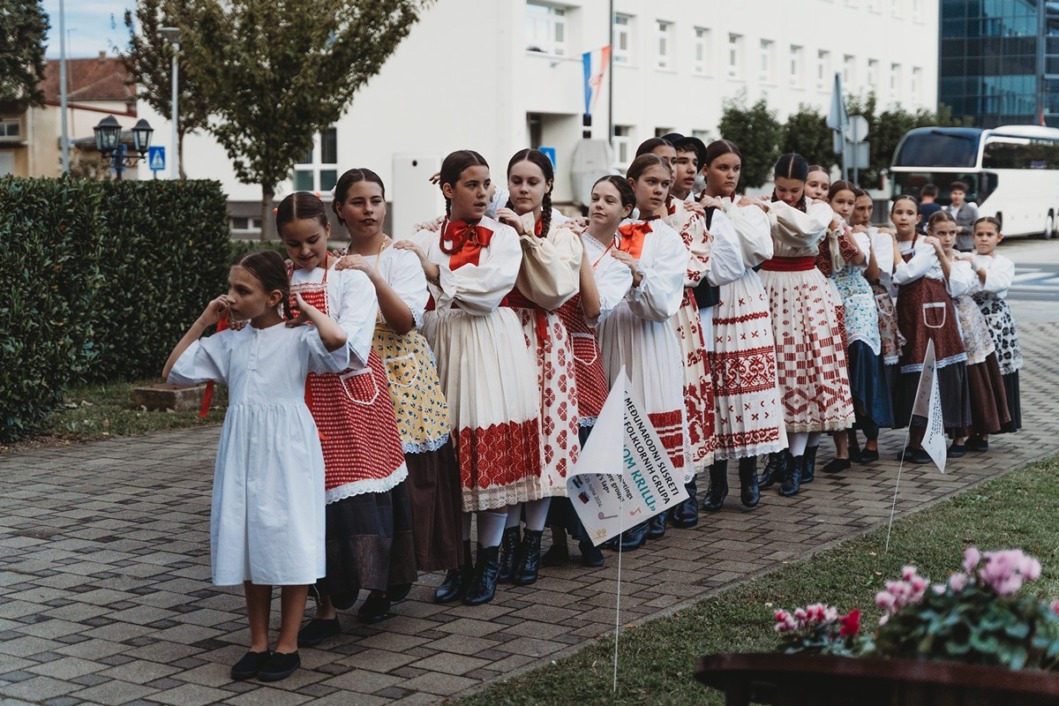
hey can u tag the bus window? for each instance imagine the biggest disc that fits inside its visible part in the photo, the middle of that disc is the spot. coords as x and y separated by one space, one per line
979 186
934 148
1020 153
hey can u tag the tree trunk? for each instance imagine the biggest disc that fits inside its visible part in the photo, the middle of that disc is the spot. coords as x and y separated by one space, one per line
180 151
267 194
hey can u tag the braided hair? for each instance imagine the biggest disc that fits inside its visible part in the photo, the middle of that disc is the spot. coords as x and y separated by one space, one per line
347 180
267 267
538 158
453 166
300 206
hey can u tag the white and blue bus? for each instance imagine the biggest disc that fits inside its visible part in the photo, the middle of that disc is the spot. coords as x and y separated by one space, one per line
1011 172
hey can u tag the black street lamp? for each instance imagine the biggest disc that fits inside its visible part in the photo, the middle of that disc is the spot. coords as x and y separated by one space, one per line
110 145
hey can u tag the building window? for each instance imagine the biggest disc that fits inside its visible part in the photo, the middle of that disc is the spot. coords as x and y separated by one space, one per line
318 169
704 135
10 128
917 85
797 60
823 70
897 6
240 225
545 29
873 74
768 48
917 10
703 51
849 73
735 56
895 80
664 59
621 53
622 143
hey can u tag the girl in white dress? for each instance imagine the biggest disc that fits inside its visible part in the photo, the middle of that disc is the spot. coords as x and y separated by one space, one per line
486 369
267 516
638 333
548 278
743 353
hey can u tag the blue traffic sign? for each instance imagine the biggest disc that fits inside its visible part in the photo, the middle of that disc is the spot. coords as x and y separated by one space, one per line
156 159
549 152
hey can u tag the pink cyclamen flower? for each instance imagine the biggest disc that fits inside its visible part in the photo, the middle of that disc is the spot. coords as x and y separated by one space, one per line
885 600
958 582
908 572
1030 568
1055 606
971 557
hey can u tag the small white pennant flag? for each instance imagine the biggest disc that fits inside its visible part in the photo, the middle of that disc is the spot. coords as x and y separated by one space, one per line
928 404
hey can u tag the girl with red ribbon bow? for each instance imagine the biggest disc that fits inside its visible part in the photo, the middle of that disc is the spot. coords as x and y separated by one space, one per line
484 366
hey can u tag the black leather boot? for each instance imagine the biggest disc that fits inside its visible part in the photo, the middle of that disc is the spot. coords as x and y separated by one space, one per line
809 464
792 481
686 514
591 556
456 580
748 489
508 550
775 470
656 526
634 537
483 583
718 490
529 559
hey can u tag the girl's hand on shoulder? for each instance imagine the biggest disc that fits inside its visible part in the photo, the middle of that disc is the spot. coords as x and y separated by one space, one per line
696 207
355 262
433 226
931 240
411 247
510 218
707 201
214 311
630 262
860 229
305 311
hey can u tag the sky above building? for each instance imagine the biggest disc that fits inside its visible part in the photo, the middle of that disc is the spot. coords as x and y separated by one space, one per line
92 26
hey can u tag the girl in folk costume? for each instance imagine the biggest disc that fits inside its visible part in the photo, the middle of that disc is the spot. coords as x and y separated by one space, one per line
369 525
637 333
267 519
817 183
846 257
548 277
687 220
989 408
995 275
483 360
926 283
604 284
879 275
810 360
742 354
415 391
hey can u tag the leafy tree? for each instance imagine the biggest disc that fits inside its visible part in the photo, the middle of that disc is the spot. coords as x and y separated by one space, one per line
23 28
276 73
757 133
149 60
806 132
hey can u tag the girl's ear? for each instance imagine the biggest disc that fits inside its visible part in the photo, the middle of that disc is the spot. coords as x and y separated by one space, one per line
446 190
275 297
919 217
549 184
628 212
327 230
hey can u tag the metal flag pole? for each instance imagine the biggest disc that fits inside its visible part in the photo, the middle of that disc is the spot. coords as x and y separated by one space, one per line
65 141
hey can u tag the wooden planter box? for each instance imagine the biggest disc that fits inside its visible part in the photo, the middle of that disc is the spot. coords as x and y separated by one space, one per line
819 680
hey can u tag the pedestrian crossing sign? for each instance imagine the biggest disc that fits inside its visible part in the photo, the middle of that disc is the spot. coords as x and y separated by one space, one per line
156 159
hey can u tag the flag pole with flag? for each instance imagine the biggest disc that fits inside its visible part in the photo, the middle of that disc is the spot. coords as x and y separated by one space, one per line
595 68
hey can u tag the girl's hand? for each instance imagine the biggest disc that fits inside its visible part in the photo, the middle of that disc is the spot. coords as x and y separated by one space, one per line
630 262
214 311
931 240
355 262
708 201
411 247
435 177
304 312
696 207
510 218
860 229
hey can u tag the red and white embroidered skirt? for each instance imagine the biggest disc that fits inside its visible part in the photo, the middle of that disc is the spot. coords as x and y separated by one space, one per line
592 387
698 385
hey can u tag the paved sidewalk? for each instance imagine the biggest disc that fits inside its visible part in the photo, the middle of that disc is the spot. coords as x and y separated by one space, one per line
105 594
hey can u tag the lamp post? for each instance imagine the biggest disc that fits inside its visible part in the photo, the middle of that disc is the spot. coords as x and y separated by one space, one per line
108 142
172 35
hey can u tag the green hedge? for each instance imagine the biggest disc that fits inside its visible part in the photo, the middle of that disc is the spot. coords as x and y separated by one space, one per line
99 279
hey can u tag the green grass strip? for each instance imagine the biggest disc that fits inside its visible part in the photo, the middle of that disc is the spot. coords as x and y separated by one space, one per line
657 658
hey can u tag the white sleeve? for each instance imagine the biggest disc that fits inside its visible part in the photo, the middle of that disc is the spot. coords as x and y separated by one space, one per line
205 359
800 228
1000 276
407 280
726 256
613 280
752 225
961 279
662 288
479 289
920 264
551 268
322 360
863 241
355 311
699 244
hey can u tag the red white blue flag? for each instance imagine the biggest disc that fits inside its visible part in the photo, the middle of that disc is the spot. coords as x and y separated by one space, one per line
595 64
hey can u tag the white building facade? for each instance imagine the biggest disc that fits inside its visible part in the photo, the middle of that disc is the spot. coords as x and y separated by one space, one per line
500 75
